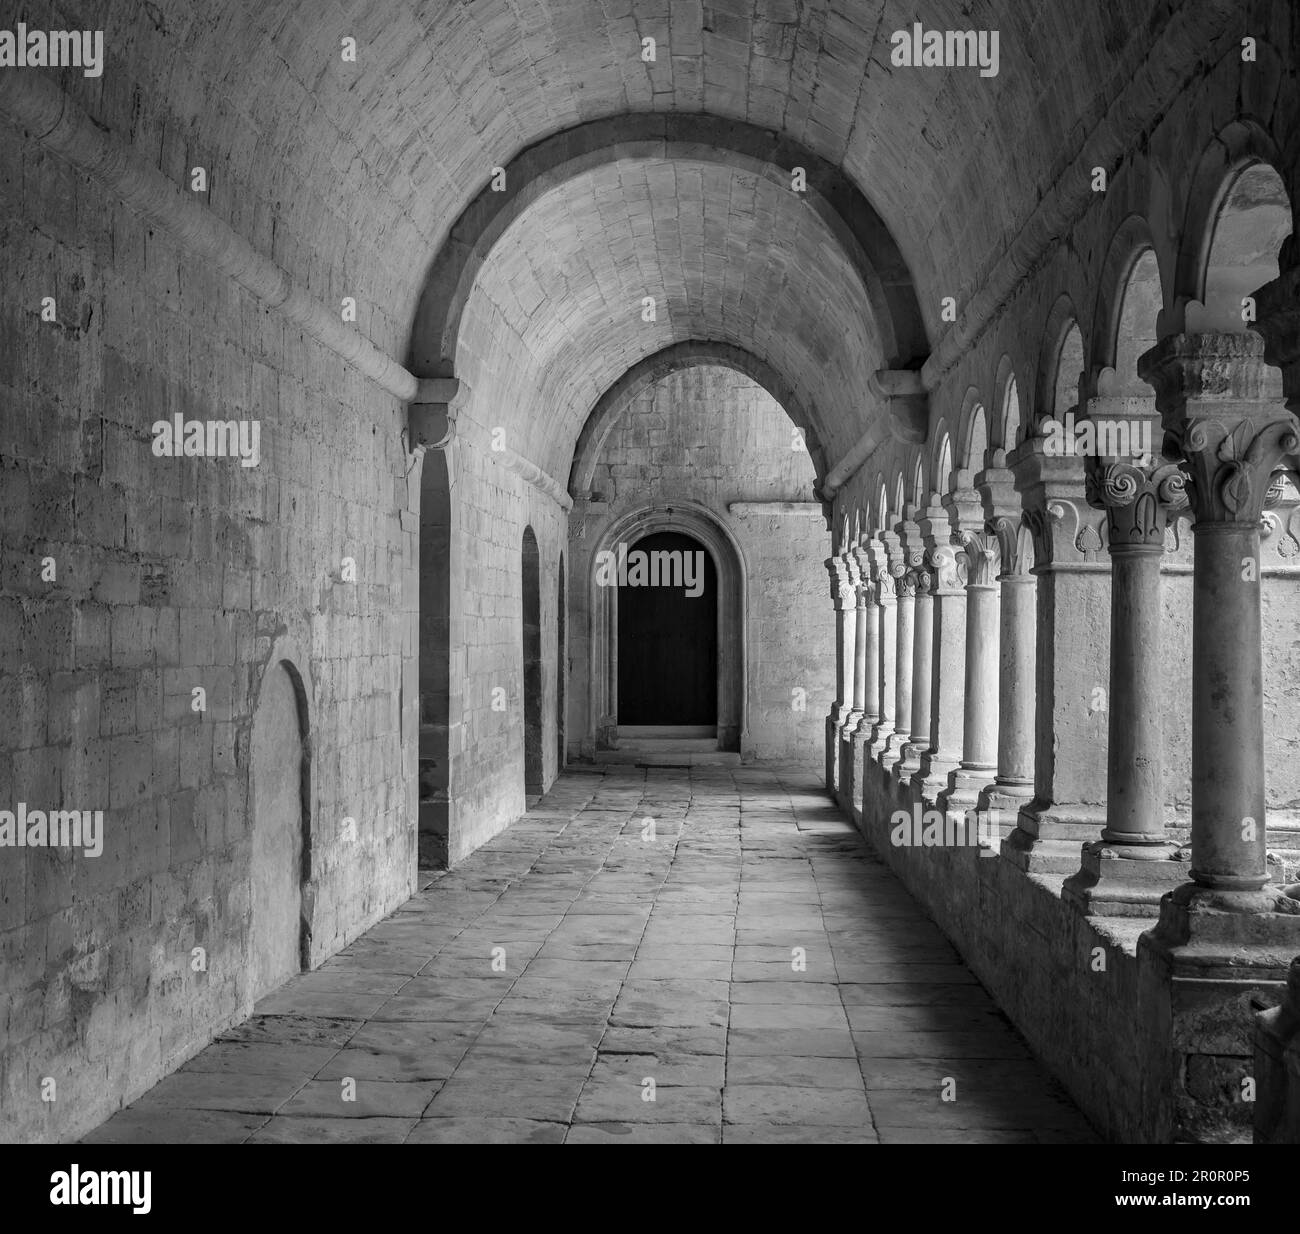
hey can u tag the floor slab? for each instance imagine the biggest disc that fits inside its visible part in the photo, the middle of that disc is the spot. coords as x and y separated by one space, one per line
753 975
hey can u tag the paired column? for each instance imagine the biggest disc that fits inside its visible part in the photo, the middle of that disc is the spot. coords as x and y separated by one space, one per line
922 659
866 681
947 672
905 582
1072 662
1126 873
1013 786
887 601
844 598
979 755
1225 405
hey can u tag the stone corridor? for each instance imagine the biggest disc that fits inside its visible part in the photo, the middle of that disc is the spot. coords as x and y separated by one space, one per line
632 954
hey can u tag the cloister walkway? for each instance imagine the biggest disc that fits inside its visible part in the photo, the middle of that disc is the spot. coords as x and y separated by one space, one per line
745 970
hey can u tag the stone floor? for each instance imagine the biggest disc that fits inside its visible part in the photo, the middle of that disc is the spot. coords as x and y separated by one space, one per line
749 965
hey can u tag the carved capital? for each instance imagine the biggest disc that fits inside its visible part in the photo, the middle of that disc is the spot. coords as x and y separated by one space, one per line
1231 464
842 590
1137 498
1065 530
1015 544
983 551
950 566
904 580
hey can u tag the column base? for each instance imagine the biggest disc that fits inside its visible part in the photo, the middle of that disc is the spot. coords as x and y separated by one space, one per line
1047 838
892 754
934 779
1118 881
909 762
1225 956
967 787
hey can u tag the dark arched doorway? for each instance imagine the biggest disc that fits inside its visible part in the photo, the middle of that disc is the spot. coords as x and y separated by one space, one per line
532 662
667 634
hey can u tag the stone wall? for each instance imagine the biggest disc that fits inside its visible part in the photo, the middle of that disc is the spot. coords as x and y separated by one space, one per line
129 580
493 505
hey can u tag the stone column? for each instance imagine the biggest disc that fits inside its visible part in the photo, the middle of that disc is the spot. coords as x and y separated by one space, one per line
1013 785
845 602
1072 661
1225 405
918 737
1126 873
979 755
1224 940
947 673
866 684
905 597
887 601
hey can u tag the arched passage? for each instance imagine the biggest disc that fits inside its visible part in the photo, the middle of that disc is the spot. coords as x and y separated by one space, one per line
532 665
867 243
616 400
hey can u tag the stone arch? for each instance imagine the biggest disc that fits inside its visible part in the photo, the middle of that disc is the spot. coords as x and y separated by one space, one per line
280 818
882 504
975 440
692 353
1061 359
1234 150
1125 321
1008 422
832 195
900 496
531 572
941 474
698 522
918 482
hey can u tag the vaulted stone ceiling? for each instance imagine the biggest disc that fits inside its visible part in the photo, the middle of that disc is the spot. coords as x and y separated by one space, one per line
377 160
556 316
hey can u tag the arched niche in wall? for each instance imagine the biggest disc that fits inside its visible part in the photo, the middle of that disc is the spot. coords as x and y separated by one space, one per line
280 860
532 665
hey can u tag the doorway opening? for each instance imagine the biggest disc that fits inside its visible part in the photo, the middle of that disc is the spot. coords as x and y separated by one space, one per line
668 639
532 652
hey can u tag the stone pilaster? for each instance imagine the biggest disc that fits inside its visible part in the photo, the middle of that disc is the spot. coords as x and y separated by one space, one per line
1072 662
1135 862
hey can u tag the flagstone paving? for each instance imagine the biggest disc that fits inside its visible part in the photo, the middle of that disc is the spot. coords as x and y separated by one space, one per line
748 973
